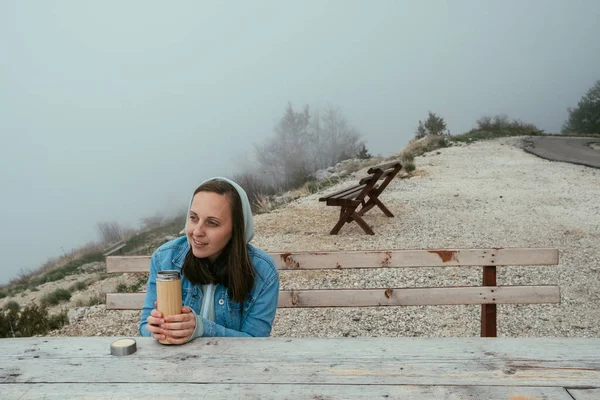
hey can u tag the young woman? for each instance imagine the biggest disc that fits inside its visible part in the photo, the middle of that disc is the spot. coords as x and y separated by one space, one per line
229 287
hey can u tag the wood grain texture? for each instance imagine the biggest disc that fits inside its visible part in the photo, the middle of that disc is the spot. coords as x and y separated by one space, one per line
386 297
190 391
529 362
379 259
585 394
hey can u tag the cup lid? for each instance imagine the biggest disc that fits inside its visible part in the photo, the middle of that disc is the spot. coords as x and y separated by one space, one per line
123 347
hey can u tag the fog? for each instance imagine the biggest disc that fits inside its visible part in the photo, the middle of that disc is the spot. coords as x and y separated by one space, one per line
116 110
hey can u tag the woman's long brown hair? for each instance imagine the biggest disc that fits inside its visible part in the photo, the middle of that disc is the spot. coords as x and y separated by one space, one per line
232 268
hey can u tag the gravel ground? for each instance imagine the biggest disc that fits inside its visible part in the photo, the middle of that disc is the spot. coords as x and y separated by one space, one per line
485 194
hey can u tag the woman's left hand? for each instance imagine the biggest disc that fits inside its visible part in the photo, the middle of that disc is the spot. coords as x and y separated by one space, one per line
179 328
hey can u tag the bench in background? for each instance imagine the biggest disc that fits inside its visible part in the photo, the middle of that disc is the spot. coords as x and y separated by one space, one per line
489 294
114 248
366 194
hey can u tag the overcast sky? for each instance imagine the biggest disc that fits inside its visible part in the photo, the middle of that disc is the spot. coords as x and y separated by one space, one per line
114 110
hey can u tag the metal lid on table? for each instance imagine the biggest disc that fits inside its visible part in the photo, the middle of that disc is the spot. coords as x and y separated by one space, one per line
123 347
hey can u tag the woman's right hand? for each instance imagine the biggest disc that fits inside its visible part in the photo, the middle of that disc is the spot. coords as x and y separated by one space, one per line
155 320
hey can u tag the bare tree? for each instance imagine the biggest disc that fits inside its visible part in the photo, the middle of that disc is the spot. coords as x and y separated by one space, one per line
343 140
303 144
110 232
283 157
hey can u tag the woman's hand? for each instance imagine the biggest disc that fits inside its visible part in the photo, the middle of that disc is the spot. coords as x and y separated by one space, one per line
155 320
178 328
175 329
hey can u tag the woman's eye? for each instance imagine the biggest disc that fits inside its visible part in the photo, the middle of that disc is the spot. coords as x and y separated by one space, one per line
212 223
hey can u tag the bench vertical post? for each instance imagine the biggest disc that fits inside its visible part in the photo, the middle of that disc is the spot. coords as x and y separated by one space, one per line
488 311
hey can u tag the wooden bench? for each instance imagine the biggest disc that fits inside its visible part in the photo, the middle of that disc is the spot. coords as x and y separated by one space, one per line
365 194
113 248
489 294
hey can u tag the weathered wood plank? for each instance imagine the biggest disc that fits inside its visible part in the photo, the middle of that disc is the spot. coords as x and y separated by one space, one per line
125 301
128 264
415 258
386 297
420 348
379 259
191 391
531 362
585 394
419 296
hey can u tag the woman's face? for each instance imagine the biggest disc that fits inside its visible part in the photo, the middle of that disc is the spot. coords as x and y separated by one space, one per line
209 224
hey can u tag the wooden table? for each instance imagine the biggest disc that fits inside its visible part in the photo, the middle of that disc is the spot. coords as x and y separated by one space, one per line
280 368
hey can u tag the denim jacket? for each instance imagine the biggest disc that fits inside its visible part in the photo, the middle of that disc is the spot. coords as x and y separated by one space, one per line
252 318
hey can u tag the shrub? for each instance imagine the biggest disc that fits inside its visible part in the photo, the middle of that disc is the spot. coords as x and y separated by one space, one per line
80 285
363 153
408 162
23 277
585 118
103 276
262 204
255 188
16 290
56 297
95 300
497 126
122 288
92 301
418 147
12 305
317 186
433 126
3 294
32 320
136 286
55 276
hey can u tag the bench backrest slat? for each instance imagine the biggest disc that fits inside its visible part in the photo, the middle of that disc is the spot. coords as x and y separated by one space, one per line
419 296
387 297
379 259
387 173
383 167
